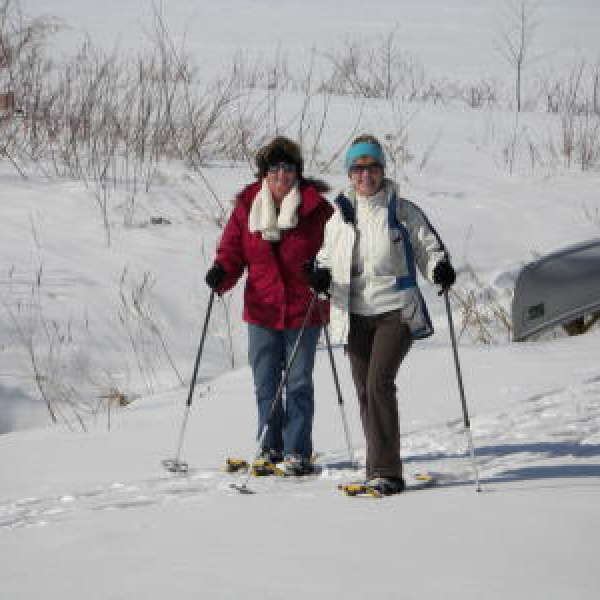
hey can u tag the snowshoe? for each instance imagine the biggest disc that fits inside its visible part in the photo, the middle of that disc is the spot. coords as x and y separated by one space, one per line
385 486
233 465
357 489
260 467
265 464
263 467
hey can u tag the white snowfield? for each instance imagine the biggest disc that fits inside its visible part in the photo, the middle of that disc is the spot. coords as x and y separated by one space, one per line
93 514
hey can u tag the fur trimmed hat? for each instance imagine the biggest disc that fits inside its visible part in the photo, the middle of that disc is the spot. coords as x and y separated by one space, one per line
280 149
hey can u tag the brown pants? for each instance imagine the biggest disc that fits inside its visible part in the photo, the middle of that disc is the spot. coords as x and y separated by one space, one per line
376 347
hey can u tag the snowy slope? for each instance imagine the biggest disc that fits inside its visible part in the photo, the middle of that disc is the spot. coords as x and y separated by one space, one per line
458 39
94 514
98 506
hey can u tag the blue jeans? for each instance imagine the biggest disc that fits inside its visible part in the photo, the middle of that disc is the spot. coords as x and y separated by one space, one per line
289 430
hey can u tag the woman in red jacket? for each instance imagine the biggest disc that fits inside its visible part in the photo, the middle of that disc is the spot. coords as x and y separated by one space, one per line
276 228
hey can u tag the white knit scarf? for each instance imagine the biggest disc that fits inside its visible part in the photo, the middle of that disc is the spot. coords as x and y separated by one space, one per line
263 216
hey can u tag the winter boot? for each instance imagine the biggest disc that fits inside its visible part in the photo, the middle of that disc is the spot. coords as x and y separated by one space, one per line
296 465
386 486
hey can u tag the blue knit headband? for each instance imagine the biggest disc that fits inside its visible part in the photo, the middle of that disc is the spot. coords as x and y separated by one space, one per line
361 149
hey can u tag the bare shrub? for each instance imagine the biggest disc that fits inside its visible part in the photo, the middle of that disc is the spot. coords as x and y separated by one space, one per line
481 94
76 385
576 93
522 149
254 117
22 42
266 75
22 67
109 120
49 347
580 127
141 324
574 98
588 141
484 316
395 140
378 69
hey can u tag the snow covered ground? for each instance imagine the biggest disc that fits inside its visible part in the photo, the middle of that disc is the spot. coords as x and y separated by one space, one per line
94 514
457 39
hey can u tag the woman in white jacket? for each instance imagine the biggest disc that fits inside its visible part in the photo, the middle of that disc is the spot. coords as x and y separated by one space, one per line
373 244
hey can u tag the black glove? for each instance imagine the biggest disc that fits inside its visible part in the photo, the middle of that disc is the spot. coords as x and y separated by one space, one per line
319 278
444 274
215 276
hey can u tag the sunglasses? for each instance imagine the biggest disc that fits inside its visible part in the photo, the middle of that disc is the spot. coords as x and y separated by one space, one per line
371 169
282 166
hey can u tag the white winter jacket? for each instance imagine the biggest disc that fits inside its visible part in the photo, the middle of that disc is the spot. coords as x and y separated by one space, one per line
395 238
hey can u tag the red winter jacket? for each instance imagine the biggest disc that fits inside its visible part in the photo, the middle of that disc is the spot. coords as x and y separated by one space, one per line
277 293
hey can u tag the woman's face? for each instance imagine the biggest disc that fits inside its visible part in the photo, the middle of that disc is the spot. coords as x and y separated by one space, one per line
366 176
281 178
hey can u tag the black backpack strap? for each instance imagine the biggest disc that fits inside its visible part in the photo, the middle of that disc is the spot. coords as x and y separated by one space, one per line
346 209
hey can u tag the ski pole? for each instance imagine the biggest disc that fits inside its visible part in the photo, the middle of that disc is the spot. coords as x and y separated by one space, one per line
338 391
176 465
243 488
461 390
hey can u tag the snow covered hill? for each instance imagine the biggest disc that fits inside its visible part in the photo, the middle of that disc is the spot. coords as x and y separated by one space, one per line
86 508
98 507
